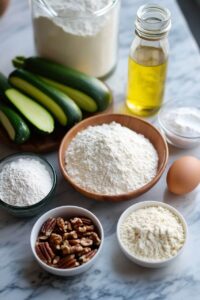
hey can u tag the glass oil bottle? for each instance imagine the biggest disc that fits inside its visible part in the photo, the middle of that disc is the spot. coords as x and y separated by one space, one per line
147 66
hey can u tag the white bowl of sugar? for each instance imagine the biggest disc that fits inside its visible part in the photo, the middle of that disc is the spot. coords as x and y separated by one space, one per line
27 183
152 234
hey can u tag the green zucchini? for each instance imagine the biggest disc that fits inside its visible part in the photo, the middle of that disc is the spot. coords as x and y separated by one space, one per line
84 101
15 126
60 105
38 116
91 86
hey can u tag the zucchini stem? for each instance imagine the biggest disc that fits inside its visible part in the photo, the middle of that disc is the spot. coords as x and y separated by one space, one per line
18 62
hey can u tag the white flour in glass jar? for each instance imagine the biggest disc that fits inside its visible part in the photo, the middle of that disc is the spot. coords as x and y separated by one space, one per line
84 36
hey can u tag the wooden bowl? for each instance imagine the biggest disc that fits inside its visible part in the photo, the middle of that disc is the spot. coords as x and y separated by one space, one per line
133 123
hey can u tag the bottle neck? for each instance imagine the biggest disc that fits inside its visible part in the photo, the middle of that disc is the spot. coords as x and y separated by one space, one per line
153 22
150 37
145 51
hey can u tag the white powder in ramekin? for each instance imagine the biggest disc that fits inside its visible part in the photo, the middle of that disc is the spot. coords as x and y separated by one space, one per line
152 233
24 182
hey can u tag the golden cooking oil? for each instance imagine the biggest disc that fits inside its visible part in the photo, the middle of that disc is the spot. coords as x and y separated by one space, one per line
146 84
147 64
146 81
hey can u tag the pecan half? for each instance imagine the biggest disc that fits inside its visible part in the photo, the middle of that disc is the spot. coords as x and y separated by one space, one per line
94 236
61 224
76 221
70 235
85 250
74 242
85 228
40 254
71 249
86 221
74 263
68 262
66 243
55 240
45 252
68 225
85 242
86 257
48 226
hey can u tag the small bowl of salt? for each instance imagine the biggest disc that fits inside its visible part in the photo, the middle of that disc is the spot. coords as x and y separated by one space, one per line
180 122
27 183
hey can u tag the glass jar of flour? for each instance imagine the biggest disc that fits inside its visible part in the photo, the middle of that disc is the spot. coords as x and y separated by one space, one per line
81 34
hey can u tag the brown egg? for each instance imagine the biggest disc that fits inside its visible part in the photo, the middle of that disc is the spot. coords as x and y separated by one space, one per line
184 175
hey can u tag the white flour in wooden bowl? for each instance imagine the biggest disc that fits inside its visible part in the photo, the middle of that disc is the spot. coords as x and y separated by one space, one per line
111 159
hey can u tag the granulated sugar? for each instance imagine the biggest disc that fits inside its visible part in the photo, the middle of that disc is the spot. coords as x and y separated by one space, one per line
24 182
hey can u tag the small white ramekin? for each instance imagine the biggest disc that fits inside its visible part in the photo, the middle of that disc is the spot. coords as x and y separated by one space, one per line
173 137
66 211
135 259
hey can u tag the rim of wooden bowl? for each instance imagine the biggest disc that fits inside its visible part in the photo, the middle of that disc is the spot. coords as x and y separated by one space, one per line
108 118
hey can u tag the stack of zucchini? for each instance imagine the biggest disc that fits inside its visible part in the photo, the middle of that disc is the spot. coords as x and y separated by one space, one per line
41 93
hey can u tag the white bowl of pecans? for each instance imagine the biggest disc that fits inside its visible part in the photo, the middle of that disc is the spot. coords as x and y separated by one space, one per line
67 240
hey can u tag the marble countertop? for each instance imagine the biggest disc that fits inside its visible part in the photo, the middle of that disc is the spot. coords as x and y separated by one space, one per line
114 276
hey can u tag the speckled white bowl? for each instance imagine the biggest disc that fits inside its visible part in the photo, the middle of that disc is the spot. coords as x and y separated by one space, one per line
66 211
138 261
